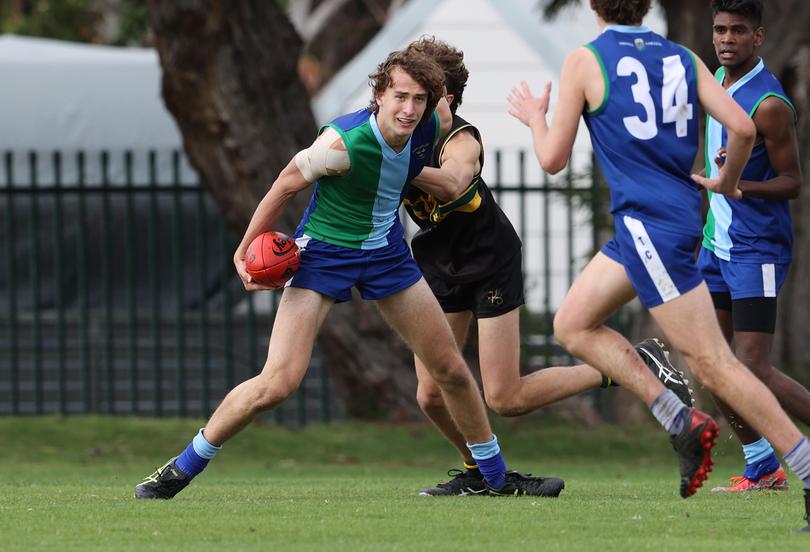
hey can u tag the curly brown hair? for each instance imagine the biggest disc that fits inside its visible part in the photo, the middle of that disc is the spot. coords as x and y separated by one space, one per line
451 60
419 67
622 12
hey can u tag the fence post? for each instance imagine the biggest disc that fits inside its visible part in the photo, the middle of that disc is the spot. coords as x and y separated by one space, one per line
59 299
81 282
178 263
106 275
11 275
154 287
35 282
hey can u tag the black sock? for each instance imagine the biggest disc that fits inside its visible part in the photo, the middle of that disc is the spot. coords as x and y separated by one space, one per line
607 381
471 466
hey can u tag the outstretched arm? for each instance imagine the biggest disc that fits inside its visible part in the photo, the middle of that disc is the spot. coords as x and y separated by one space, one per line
553 143
459 164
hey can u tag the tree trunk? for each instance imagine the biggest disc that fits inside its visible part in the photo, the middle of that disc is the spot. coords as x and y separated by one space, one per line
689 22
230 80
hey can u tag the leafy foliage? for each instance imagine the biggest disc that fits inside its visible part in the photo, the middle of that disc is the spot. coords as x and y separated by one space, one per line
120 22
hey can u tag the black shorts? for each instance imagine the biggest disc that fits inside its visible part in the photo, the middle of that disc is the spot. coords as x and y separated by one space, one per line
753 314
497 294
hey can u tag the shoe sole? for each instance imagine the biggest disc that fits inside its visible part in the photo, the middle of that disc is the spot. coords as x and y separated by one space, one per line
776 486
468 492
708 439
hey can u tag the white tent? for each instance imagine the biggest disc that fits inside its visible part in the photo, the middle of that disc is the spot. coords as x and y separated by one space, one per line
69 97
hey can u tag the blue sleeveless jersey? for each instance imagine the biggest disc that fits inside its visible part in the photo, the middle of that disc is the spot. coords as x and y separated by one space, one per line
751 230
645 132
360 210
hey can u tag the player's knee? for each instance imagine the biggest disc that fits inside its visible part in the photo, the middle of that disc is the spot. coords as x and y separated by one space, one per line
273 390
755 360
567 331
429 397
450 372
504 404
766 373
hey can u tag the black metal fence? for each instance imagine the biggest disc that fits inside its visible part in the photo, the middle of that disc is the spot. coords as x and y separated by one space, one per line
118 294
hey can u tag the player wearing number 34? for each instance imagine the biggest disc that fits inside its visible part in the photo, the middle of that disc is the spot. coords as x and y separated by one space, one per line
639 93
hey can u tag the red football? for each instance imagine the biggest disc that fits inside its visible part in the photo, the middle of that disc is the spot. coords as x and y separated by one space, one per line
272 258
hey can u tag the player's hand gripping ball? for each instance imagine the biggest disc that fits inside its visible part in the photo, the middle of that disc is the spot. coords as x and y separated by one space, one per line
272 258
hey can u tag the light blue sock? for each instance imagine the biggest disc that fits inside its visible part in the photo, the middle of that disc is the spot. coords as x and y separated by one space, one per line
490 462
760 459
195 458
669 410
798 460
757 451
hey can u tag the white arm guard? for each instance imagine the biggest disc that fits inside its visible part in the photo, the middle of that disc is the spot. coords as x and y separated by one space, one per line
327 156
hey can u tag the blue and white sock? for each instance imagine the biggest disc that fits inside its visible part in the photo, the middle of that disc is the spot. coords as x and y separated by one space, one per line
798 460
490 462
669 410
760 459
196 456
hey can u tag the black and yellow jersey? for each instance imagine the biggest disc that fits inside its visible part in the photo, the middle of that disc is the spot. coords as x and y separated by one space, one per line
465 239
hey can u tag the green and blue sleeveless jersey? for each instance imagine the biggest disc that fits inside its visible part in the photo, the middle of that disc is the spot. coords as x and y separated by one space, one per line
645 132
360 209
750 230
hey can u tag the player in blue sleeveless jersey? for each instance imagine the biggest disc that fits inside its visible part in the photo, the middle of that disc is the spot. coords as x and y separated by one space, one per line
747 243
351 237
639 95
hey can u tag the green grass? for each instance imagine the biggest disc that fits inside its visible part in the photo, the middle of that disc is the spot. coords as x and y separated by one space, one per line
66 484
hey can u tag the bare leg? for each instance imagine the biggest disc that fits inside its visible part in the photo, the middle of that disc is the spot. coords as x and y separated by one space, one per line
416 315
744 433
300 315
429 394
690 325
506 392
599 291
509 394
753 350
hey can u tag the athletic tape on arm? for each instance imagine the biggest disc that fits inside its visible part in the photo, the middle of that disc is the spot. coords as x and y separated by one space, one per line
327 156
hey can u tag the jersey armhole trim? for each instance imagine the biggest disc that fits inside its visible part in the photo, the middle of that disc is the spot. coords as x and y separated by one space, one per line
775 95
453 133
602 105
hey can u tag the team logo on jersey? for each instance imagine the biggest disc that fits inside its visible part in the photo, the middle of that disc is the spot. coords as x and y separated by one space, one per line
639 42
495 297
420 151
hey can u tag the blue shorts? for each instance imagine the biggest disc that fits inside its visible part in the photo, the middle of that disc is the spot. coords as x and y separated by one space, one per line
741 280
660 264
332 270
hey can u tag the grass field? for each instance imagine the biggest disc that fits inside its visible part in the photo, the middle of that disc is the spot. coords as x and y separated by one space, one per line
66 484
